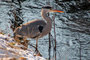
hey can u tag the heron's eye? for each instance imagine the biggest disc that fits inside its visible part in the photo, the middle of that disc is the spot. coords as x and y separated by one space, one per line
50 8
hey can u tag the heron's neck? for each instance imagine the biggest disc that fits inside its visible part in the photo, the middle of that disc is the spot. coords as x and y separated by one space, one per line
48 23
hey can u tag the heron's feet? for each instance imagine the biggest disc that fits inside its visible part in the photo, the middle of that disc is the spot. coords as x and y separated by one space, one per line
37 53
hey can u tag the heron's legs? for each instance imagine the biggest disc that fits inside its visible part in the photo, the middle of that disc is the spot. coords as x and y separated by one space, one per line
37 53
36 44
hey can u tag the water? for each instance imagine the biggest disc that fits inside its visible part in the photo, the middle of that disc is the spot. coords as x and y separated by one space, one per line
72 27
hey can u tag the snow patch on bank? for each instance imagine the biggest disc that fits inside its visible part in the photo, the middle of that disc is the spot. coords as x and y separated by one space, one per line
9 51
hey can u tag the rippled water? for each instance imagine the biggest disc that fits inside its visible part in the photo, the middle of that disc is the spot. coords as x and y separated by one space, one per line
72 26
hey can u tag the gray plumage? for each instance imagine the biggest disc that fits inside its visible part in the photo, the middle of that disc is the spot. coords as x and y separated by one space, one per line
31 29
37 28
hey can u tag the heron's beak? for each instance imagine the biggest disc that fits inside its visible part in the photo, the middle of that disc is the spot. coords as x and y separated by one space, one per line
56 11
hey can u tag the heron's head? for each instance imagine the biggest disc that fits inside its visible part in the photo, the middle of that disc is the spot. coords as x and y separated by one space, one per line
48 9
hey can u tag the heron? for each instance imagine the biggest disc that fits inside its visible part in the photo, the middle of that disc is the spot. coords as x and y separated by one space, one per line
37 28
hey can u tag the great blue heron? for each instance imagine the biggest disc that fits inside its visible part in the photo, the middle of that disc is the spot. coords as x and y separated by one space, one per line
37 28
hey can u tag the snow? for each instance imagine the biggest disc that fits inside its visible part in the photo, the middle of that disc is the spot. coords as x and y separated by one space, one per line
7 50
